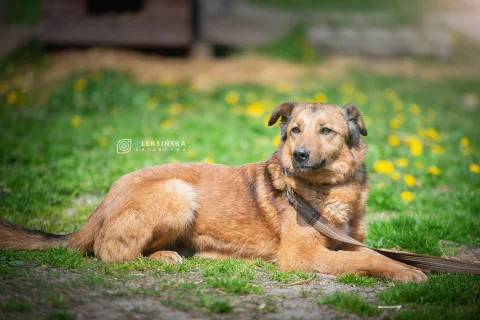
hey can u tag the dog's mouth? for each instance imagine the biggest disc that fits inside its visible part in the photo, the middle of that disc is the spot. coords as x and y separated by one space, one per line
309 166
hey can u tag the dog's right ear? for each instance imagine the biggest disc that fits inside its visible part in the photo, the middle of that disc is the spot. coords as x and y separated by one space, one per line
283 110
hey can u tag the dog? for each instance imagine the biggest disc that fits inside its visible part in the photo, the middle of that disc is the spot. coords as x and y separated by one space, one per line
218 211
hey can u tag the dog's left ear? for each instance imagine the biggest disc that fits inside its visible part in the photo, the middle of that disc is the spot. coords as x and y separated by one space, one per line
283 110
356 125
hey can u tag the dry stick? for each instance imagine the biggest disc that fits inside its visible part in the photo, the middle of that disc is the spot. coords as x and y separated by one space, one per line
321 224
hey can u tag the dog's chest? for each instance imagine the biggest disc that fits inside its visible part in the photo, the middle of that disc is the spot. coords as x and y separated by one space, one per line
337 210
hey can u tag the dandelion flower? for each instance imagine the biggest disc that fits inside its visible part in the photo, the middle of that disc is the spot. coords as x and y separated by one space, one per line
232 97
395 175
395 123
346 88
12 97
80 84
102 141
409 180
437 149
414 108
152 103
167 124
416 146
76 121
393 140
208 159
390 95
407 196
383 166
255 109
475 168
190 154
175 109
401 162
465 142
320 97
433 170
276 140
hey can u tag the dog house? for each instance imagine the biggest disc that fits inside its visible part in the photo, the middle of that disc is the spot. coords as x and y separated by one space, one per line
133 23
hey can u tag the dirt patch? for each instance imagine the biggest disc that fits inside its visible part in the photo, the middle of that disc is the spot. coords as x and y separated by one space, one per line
207 73
144 296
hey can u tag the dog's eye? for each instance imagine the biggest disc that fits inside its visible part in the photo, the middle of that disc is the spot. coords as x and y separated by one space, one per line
325 131
295 130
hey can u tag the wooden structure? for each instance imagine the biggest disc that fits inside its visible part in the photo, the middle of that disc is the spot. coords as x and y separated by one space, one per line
133 23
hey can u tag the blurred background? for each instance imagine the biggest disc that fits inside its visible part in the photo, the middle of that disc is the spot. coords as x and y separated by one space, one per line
93 89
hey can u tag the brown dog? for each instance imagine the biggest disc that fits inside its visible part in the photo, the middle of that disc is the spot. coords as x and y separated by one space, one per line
218 211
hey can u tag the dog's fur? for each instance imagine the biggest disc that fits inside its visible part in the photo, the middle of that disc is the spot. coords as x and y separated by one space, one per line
218 211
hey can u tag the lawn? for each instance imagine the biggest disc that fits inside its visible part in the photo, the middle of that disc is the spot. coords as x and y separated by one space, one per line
59 156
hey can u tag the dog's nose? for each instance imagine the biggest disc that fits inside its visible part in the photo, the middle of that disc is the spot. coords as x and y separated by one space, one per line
301 154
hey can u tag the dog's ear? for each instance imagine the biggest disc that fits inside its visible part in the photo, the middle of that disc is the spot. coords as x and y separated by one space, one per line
356 125
283 110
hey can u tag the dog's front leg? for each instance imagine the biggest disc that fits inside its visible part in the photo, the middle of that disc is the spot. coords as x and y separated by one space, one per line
303 248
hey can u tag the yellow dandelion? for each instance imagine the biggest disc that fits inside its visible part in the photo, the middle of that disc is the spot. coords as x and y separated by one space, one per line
475 168
12 97
383 166
255 109
395 123
175 109
346 88
401 162
367 120
166 124
395 175
276 140
465 142
409 179
390 94
437 149
232 97
282 87
152 103
416 146
393 140
320 97
80 84
208 159
397 105
360 98
102 141
407 196
190 154
419 164
433 170
430 133
381 185
76 121
414 108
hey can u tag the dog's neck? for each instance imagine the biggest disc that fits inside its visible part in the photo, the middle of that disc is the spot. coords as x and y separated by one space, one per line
330 177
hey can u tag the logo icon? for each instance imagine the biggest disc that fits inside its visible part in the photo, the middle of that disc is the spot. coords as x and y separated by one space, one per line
124 146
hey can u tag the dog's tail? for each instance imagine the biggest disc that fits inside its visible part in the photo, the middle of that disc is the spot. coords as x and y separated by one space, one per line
13 236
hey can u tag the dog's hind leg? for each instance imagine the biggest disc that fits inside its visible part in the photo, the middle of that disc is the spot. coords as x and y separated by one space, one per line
152 214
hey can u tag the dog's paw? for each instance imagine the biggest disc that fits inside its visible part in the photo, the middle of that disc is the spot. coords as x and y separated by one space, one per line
166 256
408 275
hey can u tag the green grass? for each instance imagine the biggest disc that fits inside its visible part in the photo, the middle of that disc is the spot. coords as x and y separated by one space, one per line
59 144
349 302
359 280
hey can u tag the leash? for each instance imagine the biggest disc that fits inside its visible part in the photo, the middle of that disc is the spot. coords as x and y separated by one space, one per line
322 225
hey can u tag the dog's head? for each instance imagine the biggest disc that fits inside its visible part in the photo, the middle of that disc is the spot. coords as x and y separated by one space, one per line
320 141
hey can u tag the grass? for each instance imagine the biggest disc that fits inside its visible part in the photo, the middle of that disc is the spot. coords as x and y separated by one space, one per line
349 302
359 280
60 143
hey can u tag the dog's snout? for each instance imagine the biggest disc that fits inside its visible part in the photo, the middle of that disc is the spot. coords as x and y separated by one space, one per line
301 154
